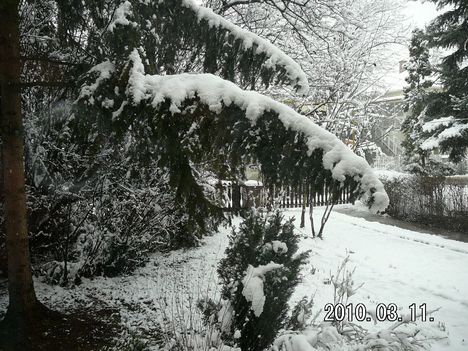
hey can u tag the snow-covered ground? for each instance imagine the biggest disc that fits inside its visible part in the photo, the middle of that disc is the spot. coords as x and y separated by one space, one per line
396 266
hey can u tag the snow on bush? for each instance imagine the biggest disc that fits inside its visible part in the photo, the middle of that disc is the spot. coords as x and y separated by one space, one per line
258 280
253 285
390 175
111 229
279 246
437 200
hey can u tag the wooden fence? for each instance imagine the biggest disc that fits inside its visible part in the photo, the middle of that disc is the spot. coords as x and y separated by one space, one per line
240 196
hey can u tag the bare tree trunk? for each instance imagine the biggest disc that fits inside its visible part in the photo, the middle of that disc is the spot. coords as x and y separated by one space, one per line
325 217
311 217
304 200
23 302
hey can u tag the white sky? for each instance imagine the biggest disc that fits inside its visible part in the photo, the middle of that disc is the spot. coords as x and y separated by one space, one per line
418 15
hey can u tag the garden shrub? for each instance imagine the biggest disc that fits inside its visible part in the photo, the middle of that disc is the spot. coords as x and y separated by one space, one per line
103 213
259 274
435 201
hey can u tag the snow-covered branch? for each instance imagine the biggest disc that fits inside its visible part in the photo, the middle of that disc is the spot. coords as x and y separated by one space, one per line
276 57
218 94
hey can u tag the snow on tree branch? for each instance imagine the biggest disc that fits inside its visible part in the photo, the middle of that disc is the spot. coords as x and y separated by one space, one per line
180 32
441 130
437 123
276 56
104 70
216 93
120 16
174 92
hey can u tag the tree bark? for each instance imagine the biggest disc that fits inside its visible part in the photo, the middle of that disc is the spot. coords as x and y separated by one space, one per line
22 297
305 196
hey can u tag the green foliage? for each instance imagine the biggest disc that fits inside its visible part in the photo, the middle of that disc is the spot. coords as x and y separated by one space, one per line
94 213
253 245
448 31
416 98
301 314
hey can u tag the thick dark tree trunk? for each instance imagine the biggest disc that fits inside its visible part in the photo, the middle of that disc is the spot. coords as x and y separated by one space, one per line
23 303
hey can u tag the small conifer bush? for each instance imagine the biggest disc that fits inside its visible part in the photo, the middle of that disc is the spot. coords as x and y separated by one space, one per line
259 274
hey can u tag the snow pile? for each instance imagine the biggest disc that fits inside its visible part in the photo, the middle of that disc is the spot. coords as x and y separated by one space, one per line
216 92
253 285
276 56
293 343
104 71
322 337
279 246
325 337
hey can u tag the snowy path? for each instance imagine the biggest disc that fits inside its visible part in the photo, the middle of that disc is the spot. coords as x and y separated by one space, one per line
395 265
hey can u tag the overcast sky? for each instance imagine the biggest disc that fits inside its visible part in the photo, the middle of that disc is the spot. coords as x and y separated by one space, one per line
419 14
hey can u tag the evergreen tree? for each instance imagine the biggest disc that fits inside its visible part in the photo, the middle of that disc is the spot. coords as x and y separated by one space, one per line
259 244
23 304
130 101
136 103
416 98
446 116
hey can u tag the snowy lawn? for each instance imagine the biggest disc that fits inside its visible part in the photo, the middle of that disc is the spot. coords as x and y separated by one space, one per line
395 265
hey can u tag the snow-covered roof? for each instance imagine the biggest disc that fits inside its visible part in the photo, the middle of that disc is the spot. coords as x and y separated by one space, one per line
253 183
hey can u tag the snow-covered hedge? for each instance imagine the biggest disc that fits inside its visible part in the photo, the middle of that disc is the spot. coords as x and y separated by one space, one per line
437 201
110 229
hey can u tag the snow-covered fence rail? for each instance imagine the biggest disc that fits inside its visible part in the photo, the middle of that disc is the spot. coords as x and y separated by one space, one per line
255 194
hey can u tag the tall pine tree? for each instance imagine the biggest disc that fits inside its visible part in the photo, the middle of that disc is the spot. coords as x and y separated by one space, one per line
446 116
416 98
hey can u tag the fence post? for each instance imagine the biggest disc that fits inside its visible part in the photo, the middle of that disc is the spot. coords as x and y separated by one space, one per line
236 197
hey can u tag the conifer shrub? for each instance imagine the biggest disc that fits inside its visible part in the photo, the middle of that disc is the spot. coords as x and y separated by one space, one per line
259 273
